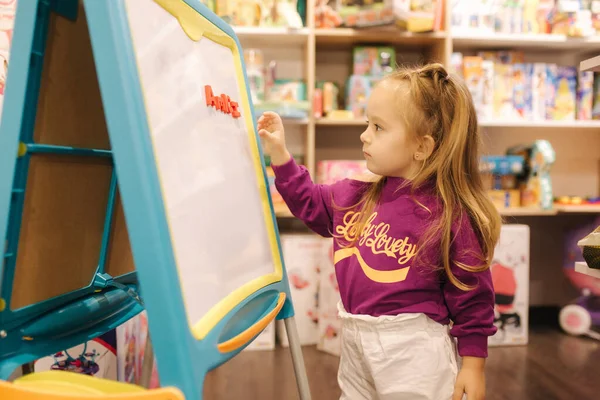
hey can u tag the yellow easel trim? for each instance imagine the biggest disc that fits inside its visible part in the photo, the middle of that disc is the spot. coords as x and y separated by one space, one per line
244 337
62 385
2 304
197 26
22 149
393 276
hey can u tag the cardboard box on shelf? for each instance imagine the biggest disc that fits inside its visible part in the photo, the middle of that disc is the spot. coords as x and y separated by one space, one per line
301 255
510 274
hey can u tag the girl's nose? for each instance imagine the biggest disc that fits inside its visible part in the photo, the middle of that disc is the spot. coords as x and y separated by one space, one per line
363 136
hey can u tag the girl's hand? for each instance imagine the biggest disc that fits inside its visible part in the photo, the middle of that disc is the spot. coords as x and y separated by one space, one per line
470 380
270 129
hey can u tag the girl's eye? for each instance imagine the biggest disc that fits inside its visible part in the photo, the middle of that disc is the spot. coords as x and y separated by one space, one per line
378 128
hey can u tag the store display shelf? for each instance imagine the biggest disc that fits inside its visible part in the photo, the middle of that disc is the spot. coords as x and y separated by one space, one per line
542 42
346 36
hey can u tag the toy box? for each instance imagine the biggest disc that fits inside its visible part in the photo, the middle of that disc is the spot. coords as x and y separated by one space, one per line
375 61
582 315
359 14
538 92
469 19
287 90
329 337
504 198
520 89
503 91
358 90
325 14
131 345
500 173
329 93
585 95
544 13
419 16
97 357
551 89
239 12
473 75
487 106
301 254
566 94
331 171
279 206
456 64
596 96
535 182
530 18
510 275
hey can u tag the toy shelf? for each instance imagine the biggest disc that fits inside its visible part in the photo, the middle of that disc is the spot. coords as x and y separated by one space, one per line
486 123
273 36
326 55
346 36
592 64
525 41
582 268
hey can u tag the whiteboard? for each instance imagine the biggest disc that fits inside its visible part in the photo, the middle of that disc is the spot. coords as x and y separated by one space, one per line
204 160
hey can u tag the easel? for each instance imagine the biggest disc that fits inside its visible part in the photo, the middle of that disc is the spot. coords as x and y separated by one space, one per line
73 83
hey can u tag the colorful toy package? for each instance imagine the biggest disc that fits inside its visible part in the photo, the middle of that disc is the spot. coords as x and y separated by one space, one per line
536 184
374 13
520 90
302 256
419 16
530 18
551 89
565 102
487 106
331 171
375 61
510 275
538 92
131 345
596 105
585 95
503 91
456 64
96 357
279 206
473 75
329 326
358 90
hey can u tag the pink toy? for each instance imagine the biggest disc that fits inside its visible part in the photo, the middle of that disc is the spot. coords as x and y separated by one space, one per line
583 314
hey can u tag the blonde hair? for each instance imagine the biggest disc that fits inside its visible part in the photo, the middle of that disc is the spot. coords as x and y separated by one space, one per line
441 106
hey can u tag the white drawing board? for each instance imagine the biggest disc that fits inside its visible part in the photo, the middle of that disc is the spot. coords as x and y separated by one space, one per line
207 161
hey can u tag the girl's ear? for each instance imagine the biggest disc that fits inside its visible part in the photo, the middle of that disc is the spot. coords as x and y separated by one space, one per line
426 147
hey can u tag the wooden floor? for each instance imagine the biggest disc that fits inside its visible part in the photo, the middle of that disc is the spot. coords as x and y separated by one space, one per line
553 366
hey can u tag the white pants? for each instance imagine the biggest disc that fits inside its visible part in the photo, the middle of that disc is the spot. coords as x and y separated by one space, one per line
404 357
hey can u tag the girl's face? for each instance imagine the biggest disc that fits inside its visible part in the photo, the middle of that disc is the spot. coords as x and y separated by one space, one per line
388 147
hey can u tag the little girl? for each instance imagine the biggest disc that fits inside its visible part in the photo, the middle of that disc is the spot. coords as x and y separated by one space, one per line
412 245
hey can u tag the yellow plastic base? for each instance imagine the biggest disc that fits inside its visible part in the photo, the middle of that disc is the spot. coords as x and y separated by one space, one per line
62 385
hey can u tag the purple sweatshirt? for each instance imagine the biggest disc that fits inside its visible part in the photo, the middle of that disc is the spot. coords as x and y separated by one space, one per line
381 275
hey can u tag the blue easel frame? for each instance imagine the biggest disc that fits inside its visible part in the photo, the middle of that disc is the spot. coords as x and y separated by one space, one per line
43 328
183 361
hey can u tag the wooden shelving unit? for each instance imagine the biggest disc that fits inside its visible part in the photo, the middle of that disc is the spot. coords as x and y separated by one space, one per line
326 55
